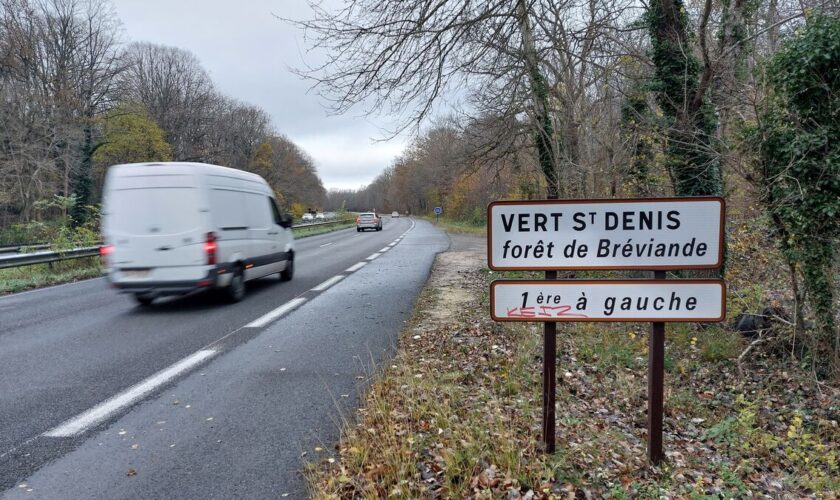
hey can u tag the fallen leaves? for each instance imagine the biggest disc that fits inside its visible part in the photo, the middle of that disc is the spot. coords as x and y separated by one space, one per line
458 413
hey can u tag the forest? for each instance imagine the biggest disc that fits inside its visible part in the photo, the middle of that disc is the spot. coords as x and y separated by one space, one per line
76 97
617 98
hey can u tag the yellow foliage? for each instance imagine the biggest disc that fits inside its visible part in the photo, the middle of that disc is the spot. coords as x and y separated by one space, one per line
262 158
298 210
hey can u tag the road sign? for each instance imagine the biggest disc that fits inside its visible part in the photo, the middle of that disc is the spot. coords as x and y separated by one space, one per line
608 300
438 210
654 233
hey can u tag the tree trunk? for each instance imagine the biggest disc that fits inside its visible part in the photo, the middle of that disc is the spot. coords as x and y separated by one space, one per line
82 182
544 134
819 283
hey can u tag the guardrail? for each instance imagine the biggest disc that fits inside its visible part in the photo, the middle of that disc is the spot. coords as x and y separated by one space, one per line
18 247
28 259
316 224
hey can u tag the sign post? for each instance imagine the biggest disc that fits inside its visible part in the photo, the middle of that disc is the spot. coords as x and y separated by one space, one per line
438 211
656 382
549 376
656 234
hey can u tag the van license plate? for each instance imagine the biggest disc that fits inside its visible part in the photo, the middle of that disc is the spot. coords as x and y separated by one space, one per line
135 274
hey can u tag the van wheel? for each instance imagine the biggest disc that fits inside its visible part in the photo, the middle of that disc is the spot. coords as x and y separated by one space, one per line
235 291
144 300
289 272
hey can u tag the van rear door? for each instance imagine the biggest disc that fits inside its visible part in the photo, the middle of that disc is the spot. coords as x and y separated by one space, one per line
156 225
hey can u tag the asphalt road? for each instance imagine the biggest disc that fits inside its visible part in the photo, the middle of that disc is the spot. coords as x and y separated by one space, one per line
234 423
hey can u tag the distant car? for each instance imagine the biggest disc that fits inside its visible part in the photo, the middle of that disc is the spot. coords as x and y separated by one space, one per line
320 216
307 217
368 220
395 215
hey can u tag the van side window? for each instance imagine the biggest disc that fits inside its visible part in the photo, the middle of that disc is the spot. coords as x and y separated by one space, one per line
229 209
275 211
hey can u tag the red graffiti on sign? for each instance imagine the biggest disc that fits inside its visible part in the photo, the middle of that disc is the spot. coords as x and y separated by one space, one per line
521 312
543 312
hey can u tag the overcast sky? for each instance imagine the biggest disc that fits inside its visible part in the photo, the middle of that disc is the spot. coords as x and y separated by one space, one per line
247 52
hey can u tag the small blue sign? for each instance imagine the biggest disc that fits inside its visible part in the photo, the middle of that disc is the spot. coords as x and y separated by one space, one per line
438 210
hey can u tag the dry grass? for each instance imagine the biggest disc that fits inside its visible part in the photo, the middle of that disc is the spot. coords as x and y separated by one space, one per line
454 226
457 413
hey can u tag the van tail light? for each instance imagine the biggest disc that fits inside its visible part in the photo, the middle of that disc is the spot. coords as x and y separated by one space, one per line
210 247
104 252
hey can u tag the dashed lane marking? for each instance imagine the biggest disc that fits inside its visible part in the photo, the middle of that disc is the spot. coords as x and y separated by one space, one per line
102 411
328 283
276 313
355 267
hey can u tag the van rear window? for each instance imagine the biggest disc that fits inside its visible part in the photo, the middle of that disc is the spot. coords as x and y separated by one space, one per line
152 211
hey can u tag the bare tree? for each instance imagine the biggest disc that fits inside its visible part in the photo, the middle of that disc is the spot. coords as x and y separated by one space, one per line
235 131
404 57
59 56
175 90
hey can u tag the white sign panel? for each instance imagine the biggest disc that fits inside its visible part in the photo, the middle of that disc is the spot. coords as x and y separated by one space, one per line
609 300
654 233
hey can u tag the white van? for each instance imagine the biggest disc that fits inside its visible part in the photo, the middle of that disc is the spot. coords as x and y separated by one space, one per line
172 228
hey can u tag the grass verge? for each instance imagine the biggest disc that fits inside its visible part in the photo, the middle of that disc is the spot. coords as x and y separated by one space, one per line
18 279
457 413
458 226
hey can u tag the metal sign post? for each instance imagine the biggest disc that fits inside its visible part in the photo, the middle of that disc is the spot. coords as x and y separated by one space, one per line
549 378
656 384
654 234
438 211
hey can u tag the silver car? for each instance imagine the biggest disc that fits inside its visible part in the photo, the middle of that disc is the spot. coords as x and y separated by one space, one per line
368 220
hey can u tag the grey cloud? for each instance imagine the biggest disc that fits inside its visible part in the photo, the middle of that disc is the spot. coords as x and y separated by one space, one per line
248 51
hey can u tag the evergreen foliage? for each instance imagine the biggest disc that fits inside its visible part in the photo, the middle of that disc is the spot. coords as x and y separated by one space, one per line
796 140
691 157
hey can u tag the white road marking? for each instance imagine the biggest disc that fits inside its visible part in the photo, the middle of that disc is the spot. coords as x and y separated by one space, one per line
330 282
327 244
276 313
102 411
385 249
355 267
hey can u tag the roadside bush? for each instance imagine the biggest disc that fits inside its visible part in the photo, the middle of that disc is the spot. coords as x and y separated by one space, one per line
798 170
